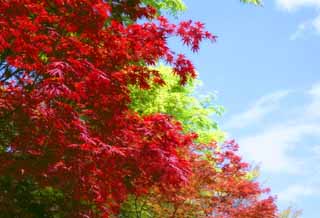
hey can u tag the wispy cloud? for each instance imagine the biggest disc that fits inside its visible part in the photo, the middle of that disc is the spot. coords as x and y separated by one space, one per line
298 191
300 32
315 90
316 151
288 146
291 5
316 24
263 106
274 146
313 109
306 27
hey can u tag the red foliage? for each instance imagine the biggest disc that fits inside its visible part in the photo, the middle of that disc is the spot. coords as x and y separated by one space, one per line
65 70
217 188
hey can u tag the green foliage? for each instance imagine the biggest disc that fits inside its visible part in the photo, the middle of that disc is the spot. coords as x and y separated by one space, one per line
172 6
43 57
290 213
7 133
255 2
175 6
29 200
179 102
253 174
136 207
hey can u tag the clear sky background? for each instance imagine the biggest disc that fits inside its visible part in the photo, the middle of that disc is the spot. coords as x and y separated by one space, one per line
266 69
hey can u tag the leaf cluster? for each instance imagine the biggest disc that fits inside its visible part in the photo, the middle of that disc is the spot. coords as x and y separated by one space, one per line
180 102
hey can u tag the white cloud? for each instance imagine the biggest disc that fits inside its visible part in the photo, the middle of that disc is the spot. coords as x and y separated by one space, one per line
272 146
316 24
286 147
307 26
296 4
316 151
313 109
275 145
299 33
296 192
262 107
315 90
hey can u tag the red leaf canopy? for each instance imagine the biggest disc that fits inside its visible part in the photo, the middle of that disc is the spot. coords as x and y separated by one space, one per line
65 69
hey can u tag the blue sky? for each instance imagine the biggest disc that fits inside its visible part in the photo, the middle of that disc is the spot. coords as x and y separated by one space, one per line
265 67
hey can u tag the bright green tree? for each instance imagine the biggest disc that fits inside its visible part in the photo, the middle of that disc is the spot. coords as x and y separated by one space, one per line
195 114
175 6
255 2
172 6
290 213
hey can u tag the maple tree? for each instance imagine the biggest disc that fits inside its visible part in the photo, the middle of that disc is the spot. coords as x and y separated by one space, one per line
218 187
71 146
221 184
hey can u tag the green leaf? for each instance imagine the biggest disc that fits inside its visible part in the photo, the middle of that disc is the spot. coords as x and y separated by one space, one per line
195 114
255 2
